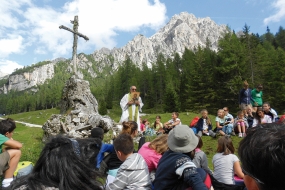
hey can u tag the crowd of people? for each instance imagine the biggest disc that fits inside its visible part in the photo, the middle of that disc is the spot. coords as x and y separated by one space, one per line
174 159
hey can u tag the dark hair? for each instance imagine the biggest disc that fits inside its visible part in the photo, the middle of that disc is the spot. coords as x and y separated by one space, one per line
225 145
176 113
7 125
65 164
124 143
257 116
97 133
262 153
129 127
200 142
266 103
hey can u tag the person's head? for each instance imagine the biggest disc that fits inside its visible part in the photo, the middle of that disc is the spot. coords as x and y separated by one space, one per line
130 127
124 146
182 139
174 115
259 87
157 119
225 145
145 122
133 89
249 109
97 133
260 113
245 84
159 144
221 113
266 106
200 142
262 154
65 163
7 127
240 114
204 113
226 110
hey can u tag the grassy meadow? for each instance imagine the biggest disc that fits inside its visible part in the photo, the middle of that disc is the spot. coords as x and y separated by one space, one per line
31 136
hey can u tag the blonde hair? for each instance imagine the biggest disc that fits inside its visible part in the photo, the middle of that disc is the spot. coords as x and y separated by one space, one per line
221 111
129 127
208 120
159 144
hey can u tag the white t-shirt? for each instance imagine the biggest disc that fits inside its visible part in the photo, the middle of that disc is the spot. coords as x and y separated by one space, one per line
172 121
224 167
205 126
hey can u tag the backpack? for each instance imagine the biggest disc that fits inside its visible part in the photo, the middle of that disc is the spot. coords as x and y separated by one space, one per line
194 121
23 168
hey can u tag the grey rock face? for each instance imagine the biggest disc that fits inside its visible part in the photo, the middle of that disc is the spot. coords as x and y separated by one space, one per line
79 112
182 31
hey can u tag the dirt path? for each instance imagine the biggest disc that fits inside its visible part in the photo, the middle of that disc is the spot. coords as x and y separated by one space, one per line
27 124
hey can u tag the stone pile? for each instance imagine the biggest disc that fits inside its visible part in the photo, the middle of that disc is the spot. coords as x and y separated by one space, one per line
79 112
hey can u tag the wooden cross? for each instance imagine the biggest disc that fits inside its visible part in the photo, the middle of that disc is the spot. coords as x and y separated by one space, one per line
75 38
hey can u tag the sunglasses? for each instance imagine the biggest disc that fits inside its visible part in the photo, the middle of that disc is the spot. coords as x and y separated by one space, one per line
250 175
134 89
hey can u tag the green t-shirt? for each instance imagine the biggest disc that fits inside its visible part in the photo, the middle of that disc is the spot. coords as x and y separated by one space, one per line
257 97
3 139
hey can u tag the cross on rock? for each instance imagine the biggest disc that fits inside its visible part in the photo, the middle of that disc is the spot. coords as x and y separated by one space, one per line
75 32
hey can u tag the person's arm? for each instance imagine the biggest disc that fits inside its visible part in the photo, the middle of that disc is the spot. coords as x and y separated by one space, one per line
193 179
166 124
238 170
12 144
218 125
177 122
204 164
120 181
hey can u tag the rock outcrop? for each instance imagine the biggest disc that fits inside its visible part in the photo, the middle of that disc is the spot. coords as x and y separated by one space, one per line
79 112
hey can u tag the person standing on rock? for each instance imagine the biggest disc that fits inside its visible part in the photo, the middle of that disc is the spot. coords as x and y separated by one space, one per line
131 107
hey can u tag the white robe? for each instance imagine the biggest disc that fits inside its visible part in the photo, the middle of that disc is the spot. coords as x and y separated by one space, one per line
125 110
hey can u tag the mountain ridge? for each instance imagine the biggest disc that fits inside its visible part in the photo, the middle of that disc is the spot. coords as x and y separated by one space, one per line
182 31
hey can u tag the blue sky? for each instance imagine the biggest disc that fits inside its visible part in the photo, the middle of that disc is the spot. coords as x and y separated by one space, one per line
29 28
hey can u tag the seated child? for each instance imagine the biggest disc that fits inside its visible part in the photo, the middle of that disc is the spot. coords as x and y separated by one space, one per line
133 173
175 168
240 124
200 158
204 125
99 133
10 157
169 125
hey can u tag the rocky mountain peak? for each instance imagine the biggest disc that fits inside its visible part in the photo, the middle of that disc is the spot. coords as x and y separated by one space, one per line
183 30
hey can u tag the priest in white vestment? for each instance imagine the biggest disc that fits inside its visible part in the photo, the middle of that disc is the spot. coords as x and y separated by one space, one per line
131 107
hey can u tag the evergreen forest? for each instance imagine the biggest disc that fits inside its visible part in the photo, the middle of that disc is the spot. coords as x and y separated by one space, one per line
197 79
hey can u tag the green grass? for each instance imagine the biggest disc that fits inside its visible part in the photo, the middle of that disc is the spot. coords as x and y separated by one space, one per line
34 117
31 136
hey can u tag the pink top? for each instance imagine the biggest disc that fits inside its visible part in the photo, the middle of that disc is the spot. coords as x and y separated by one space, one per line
150 156
142 127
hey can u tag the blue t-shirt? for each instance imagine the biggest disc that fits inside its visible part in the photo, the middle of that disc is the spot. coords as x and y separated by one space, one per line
3 139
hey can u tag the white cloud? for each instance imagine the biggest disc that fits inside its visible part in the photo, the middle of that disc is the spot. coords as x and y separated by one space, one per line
7 66
24 24
279 5
99 20
12 44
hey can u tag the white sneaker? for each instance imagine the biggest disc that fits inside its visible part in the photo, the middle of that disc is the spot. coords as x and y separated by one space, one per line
243 135
240 135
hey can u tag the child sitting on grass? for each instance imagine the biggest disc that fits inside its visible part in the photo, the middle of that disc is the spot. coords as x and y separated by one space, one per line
133 173
10 157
